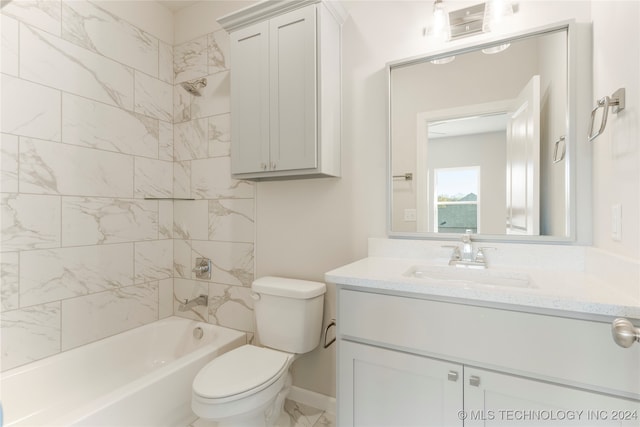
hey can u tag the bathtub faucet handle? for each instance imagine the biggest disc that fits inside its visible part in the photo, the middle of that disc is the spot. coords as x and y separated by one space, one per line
202 268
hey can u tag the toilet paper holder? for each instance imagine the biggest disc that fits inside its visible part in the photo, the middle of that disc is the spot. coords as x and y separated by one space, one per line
326 330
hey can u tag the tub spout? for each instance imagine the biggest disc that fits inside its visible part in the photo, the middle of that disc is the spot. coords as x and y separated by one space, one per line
189 304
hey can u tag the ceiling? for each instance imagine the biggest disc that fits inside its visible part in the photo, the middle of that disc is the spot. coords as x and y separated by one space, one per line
175 5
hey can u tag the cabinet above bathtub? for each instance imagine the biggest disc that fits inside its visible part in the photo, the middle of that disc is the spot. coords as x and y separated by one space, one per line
285 89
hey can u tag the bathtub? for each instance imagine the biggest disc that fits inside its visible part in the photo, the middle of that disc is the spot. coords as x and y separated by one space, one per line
141 377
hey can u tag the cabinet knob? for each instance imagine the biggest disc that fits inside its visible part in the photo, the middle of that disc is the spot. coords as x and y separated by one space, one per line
452 376
624 333
263 166
273 165
474 381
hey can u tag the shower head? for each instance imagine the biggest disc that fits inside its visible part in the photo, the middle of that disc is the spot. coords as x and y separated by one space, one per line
194 86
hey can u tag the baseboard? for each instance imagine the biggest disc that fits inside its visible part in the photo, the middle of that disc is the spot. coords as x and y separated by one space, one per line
311 398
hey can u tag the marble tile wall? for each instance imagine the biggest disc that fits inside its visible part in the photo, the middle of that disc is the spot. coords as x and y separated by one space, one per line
93 122
87 134
219 224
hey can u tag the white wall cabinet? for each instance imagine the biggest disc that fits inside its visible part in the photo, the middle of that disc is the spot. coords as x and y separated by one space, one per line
408 361
285 90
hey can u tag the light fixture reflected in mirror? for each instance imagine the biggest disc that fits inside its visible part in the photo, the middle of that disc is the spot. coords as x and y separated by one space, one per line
445 60
496 49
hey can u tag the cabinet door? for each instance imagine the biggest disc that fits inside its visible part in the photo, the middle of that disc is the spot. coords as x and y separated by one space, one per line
293 90
497 399
380 387
249 56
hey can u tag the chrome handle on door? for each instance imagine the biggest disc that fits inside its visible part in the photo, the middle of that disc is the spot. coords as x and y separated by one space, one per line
624 333
452 376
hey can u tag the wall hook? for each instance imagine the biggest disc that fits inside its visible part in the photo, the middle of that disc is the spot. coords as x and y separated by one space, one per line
616 102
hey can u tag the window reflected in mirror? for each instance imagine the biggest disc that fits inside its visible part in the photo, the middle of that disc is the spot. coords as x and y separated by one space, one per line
456 199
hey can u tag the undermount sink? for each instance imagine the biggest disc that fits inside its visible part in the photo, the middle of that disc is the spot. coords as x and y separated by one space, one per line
466 276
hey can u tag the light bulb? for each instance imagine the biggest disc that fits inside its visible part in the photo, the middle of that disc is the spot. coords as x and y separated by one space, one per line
495 13
440 28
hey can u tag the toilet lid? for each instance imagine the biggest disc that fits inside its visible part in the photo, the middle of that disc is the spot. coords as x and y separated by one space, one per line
238 371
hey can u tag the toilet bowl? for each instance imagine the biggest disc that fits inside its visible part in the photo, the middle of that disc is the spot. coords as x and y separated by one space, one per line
242 384
247 386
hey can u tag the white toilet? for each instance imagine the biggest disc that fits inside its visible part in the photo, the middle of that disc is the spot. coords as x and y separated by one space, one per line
247 386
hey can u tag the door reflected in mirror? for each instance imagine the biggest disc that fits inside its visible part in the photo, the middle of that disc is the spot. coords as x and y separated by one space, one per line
478 134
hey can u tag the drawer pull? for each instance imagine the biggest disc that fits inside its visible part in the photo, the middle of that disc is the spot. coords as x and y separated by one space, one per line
452 376
474 381
624 333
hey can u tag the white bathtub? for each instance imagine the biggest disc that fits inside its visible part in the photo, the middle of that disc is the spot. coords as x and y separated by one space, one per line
141 377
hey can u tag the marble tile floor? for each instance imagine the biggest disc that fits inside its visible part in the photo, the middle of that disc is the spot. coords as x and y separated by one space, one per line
300 415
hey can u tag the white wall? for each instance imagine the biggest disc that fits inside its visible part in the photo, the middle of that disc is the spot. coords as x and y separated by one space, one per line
616 155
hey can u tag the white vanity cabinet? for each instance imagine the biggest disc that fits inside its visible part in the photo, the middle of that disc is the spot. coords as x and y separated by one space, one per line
382 387
499 399
285 90
411 361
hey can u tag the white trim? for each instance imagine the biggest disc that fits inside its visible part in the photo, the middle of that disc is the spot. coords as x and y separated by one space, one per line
313 399
268 9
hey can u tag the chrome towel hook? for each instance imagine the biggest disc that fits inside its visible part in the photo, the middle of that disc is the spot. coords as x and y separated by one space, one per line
616 101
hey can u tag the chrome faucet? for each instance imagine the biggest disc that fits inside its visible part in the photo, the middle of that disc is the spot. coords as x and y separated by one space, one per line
466 257
467 247
188 305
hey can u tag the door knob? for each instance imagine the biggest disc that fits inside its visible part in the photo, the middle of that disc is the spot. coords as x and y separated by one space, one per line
624 333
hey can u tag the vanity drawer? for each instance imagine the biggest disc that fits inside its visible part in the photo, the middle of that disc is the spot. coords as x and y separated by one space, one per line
575 352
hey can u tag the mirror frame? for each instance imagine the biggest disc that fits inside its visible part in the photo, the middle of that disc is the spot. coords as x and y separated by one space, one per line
578 152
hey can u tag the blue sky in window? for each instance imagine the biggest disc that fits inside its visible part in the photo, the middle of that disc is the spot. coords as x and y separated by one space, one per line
457 181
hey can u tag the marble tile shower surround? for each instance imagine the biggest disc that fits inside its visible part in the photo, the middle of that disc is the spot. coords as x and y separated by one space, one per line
94 123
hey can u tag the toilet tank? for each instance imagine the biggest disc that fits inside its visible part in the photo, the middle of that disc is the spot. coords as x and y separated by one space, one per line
289 313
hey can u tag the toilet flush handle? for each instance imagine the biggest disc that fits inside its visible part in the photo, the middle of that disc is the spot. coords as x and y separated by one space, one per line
255 296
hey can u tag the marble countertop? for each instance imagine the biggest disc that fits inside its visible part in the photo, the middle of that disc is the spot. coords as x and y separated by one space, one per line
555 292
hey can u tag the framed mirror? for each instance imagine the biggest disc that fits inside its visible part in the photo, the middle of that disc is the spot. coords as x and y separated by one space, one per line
483 138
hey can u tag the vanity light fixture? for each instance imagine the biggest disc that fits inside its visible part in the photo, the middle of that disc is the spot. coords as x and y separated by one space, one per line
480 18
496 12
440 27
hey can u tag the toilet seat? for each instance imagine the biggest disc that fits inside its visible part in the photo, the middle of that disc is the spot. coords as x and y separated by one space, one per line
240 372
